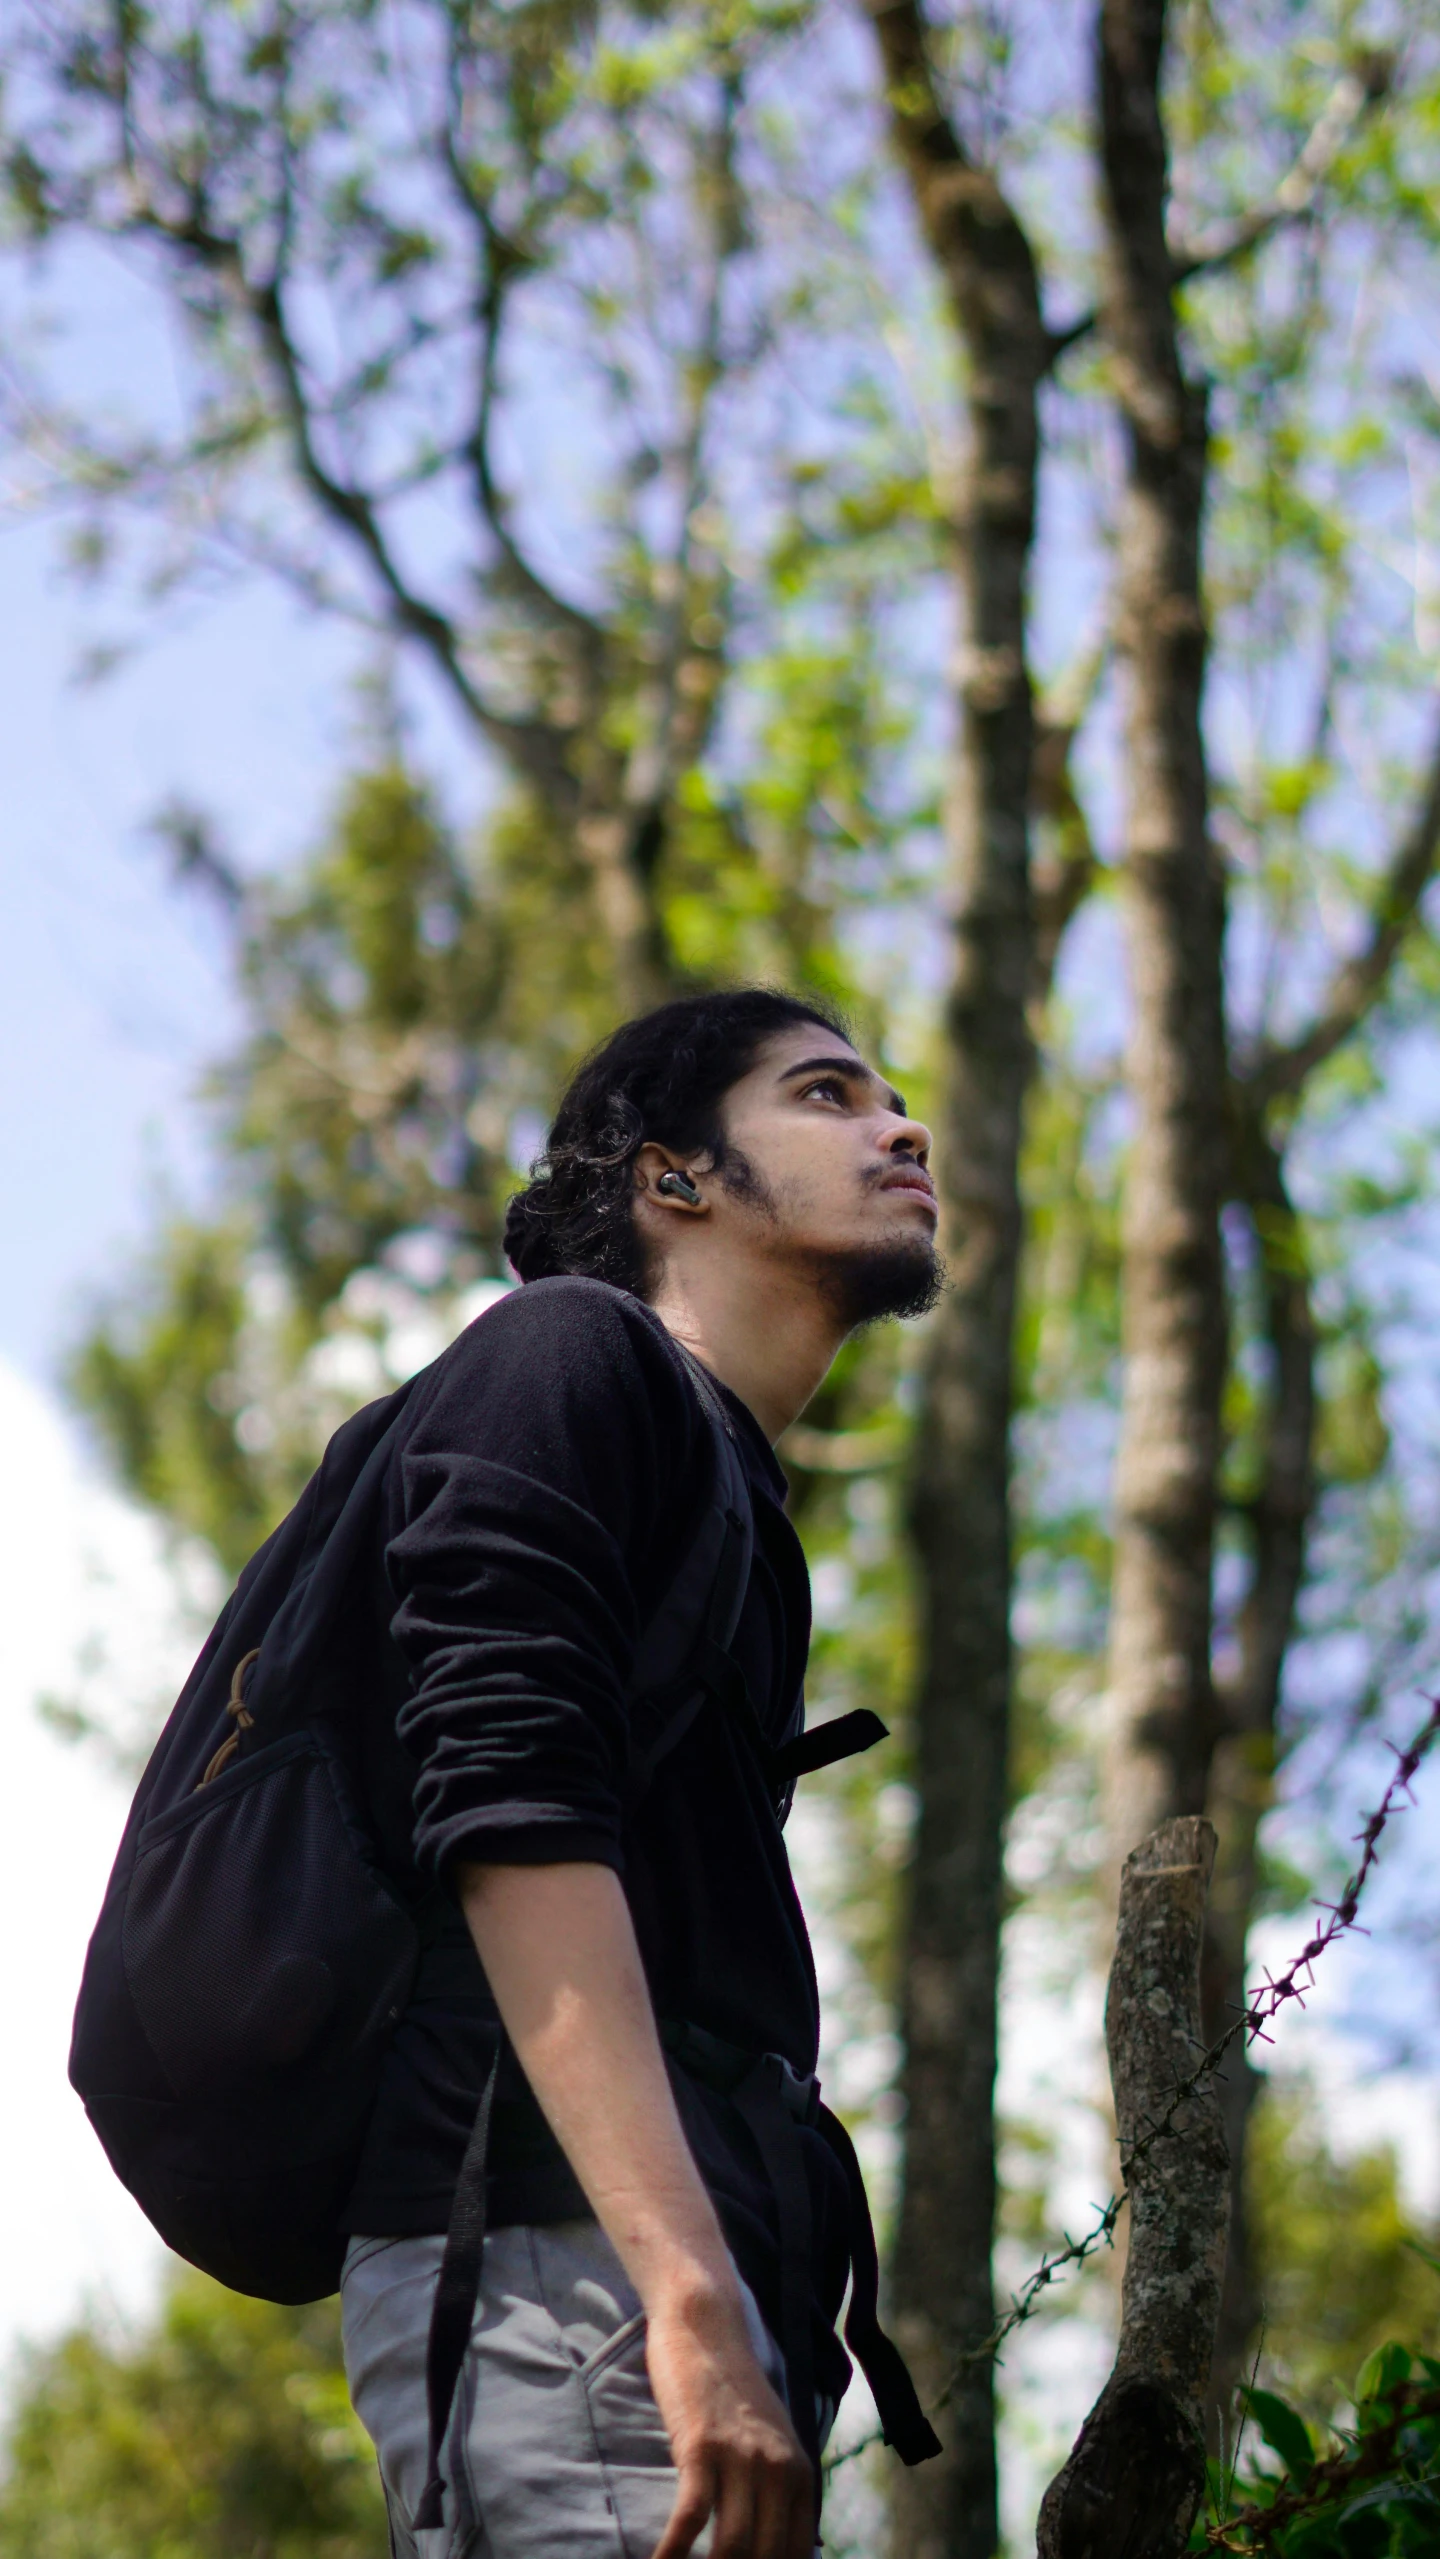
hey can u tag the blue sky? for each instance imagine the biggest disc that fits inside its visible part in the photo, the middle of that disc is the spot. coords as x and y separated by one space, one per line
112 998
112 992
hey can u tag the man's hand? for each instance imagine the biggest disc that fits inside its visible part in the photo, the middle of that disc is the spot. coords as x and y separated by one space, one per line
734 2446
558 1947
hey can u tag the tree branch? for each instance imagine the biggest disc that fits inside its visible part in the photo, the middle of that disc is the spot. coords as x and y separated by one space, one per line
501 260
532 744
656 759
1361 87
1280 1071
1062 872
1280 1511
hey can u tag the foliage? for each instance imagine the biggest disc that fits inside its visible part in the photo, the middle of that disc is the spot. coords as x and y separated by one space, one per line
372 1101
153 1378
1375 2495
1341 2262
411 1003
222 2430
377 231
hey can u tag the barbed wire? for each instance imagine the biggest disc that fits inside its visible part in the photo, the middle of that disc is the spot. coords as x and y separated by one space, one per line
1255 2017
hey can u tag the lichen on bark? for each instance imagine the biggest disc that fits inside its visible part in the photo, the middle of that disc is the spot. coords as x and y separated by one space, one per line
1131 2487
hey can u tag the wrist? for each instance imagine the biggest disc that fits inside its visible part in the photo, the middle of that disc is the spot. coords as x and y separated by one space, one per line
693 2291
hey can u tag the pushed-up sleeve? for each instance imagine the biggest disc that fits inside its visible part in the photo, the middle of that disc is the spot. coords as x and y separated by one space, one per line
539 1497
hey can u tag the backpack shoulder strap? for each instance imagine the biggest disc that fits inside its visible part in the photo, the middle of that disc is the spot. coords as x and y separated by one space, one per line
701 1608
684 1654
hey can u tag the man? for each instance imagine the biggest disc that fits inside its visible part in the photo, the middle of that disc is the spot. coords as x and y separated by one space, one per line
727 1183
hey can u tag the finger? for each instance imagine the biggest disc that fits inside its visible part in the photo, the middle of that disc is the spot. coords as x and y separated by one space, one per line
694 2504
734 2513
803 2519
783 2514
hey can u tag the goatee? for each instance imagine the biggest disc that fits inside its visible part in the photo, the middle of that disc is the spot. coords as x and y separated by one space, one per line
900 1279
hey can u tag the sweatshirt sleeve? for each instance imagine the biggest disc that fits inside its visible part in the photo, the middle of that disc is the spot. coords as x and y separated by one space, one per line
541 1503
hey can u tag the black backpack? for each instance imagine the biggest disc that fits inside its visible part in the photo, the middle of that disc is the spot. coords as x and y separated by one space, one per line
252 1955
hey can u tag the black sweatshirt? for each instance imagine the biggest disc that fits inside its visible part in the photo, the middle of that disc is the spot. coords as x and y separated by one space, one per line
552 1473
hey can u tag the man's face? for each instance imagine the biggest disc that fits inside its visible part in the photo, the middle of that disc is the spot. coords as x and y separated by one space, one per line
824 1162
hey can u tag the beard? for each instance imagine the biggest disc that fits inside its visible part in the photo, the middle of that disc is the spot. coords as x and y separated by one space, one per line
901 1279
865 1283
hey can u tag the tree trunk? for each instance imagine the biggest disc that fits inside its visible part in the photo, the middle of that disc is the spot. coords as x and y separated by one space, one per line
1133 2483
959 1507
1244 1763
1280 1512
1162 1720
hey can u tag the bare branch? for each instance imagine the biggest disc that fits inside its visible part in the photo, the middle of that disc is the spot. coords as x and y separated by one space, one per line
346 505
623 838
1281 1071
198 857
662 744
501 260
1361 87
536 747
1062 871
1358 89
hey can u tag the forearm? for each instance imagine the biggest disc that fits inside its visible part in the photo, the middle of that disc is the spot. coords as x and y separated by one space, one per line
558 1947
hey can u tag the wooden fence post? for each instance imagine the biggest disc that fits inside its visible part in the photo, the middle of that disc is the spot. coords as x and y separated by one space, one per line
1131 2487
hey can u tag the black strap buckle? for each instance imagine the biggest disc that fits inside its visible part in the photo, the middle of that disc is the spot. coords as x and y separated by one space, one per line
799 2092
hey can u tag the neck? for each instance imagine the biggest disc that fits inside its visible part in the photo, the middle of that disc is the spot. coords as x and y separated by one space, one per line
767 1334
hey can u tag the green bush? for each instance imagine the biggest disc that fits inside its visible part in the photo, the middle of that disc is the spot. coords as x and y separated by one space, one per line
1341 2261
222 2430
1372 2491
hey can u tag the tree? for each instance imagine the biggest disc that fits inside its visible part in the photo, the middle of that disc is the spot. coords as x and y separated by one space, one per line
1172 1287
369 225
1204 1134
960 1497
413 997
221 2430
413 1003
1173 1291
1179 1743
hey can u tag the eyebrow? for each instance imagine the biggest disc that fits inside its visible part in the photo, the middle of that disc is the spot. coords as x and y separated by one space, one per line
854 1072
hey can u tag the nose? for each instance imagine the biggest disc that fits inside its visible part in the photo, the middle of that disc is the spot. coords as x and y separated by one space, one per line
908 1137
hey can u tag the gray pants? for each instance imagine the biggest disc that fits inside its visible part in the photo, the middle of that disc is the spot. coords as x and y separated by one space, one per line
556 2445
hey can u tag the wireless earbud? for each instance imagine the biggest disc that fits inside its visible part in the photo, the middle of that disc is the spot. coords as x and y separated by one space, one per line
678 1186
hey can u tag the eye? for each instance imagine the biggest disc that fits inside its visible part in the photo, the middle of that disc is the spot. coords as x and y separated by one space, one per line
832 1086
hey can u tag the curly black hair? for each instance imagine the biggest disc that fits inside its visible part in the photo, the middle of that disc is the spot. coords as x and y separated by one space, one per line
661 1078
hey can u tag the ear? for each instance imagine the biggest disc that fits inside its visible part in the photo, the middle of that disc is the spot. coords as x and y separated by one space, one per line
668 1182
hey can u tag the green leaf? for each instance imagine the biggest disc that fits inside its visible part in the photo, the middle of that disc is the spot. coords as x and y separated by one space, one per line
1285 2431
1379 2372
